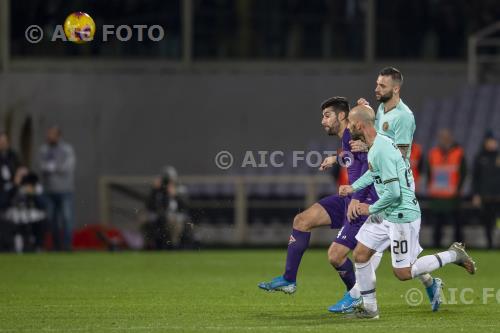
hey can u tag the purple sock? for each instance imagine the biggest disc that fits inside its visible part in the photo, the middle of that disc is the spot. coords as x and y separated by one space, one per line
298 244
346 273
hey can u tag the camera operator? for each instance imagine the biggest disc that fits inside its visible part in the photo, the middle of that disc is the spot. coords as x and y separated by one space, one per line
167 224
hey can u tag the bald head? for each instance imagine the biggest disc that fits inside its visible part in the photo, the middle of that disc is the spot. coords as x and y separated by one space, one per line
361 122
363 114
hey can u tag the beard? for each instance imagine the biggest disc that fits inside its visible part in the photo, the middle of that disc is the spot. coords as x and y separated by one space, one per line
356 134
329 131
333 130
385 98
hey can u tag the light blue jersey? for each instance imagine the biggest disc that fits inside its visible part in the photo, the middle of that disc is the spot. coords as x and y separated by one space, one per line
398 124
387 169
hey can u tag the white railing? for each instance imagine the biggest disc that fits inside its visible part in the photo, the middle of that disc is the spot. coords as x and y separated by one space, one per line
240 204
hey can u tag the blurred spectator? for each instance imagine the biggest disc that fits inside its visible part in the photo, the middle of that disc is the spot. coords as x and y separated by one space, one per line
486 184
57 164
27 211
416 163
446 173
9 162
167 224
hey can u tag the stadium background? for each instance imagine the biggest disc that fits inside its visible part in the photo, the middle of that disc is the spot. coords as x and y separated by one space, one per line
237 76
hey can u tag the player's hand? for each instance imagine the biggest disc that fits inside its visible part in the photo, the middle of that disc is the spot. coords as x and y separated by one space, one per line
328 163
345 190
362 209
351 210
358 146
362 101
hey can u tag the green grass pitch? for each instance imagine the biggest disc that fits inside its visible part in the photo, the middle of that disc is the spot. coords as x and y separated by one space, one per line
216 291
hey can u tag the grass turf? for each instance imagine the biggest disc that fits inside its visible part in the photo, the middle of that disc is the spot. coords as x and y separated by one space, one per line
212 291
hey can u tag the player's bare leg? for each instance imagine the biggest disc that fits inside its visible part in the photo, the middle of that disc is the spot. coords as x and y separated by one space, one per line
315 216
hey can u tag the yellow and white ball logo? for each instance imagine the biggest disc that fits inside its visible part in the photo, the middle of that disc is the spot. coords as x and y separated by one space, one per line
79 27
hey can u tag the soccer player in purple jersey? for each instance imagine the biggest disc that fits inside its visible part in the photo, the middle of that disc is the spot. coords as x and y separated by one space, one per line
333 210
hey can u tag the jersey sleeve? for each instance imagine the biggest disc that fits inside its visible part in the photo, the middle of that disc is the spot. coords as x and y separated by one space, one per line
362 161
363 182
356 161
377 118
390 180
403 129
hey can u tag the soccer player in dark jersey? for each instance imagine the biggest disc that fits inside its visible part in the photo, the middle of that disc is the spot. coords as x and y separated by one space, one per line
332 210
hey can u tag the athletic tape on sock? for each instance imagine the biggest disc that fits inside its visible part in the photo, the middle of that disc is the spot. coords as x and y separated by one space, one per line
371 291
439 259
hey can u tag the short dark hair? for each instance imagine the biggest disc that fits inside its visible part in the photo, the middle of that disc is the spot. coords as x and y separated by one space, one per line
394 73
339 104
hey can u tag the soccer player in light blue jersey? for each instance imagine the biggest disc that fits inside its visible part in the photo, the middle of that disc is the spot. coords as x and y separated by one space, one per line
395 120
394 218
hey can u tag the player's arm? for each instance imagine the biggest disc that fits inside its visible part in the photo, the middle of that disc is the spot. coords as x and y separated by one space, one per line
328 163
360 166
403 133
358 146
392 193
377 119
404 150
392 189
363 182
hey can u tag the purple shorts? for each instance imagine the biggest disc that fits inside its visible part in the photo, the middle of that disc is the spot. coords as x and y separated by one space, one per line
336 207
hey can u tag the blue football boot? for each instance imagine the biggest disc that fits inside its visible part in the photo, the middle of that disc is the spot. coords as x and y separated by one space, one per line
434 293
279 284
346 305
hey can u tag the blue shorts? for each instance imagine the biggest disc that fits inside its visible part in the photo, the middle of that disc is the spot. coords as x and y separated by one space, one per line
336 207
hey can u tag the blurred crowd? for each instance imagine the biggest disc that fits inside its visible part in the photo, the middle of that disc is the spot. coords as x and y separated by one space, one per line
32 203
37 205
